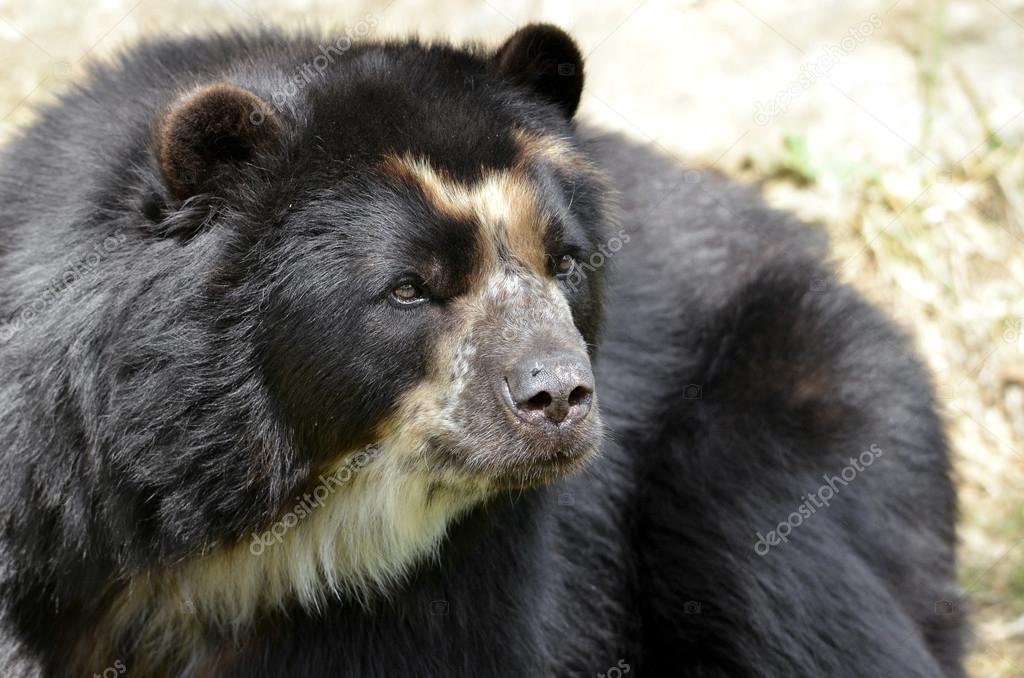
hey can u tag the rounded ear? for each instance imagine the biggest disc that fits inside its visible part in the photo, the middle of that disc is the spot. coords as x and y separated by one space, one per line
545 59
205 135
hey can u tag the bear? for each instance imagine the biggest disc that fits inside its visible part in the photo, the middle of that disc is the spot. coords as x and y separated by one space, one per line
333 358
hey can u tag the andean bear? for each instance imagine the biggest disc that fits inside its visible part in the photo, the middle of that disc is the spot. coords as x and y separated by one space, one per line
389 368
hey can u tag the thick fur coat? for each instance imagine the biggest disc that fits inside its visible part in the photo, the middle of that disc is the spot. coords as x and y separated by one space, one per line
197 341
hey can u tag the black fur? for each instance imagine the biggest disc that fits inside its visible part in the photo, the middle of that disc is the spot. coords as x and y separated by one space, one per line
177 392
547 61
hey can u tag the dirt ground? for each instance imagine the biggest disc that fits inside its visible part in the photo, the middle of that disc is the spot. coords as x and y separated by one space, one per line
896 125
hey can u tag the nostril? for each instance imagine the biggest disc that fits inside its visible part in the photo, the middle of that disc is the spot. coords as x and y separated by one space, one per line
539 401
579 395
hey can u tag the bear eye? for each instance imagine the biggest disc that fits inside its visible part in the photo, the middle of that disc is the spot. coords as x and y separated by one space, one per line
408 294
565 264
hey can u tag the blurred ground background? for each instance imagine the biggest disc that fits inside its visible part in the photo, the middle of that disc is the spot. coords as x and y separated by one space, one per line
896 125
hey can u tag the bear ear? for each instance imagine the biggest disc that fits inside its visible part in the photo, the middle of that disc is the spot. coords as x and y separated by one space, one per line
206 134
545 59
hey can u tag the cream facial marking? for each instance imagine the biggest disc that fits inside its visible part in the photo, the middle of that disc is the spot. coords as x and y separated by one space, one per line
360 543
553 150
504 203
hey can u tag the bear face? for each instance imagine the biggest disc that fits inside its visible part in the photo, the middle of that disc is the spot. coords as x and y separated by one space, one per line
421 250
357 315
441 290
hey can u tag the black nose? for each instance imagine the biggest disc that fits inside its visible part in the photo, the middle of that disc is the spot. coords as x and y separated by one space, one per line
552 387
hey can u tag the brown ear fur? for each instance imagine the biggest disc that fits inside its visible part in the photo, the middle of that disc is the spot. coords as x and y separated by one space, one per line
210 130
545 59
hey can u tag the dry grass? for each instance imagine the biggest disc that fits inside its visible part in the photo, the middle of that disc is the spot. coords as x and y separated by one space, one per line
908 149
